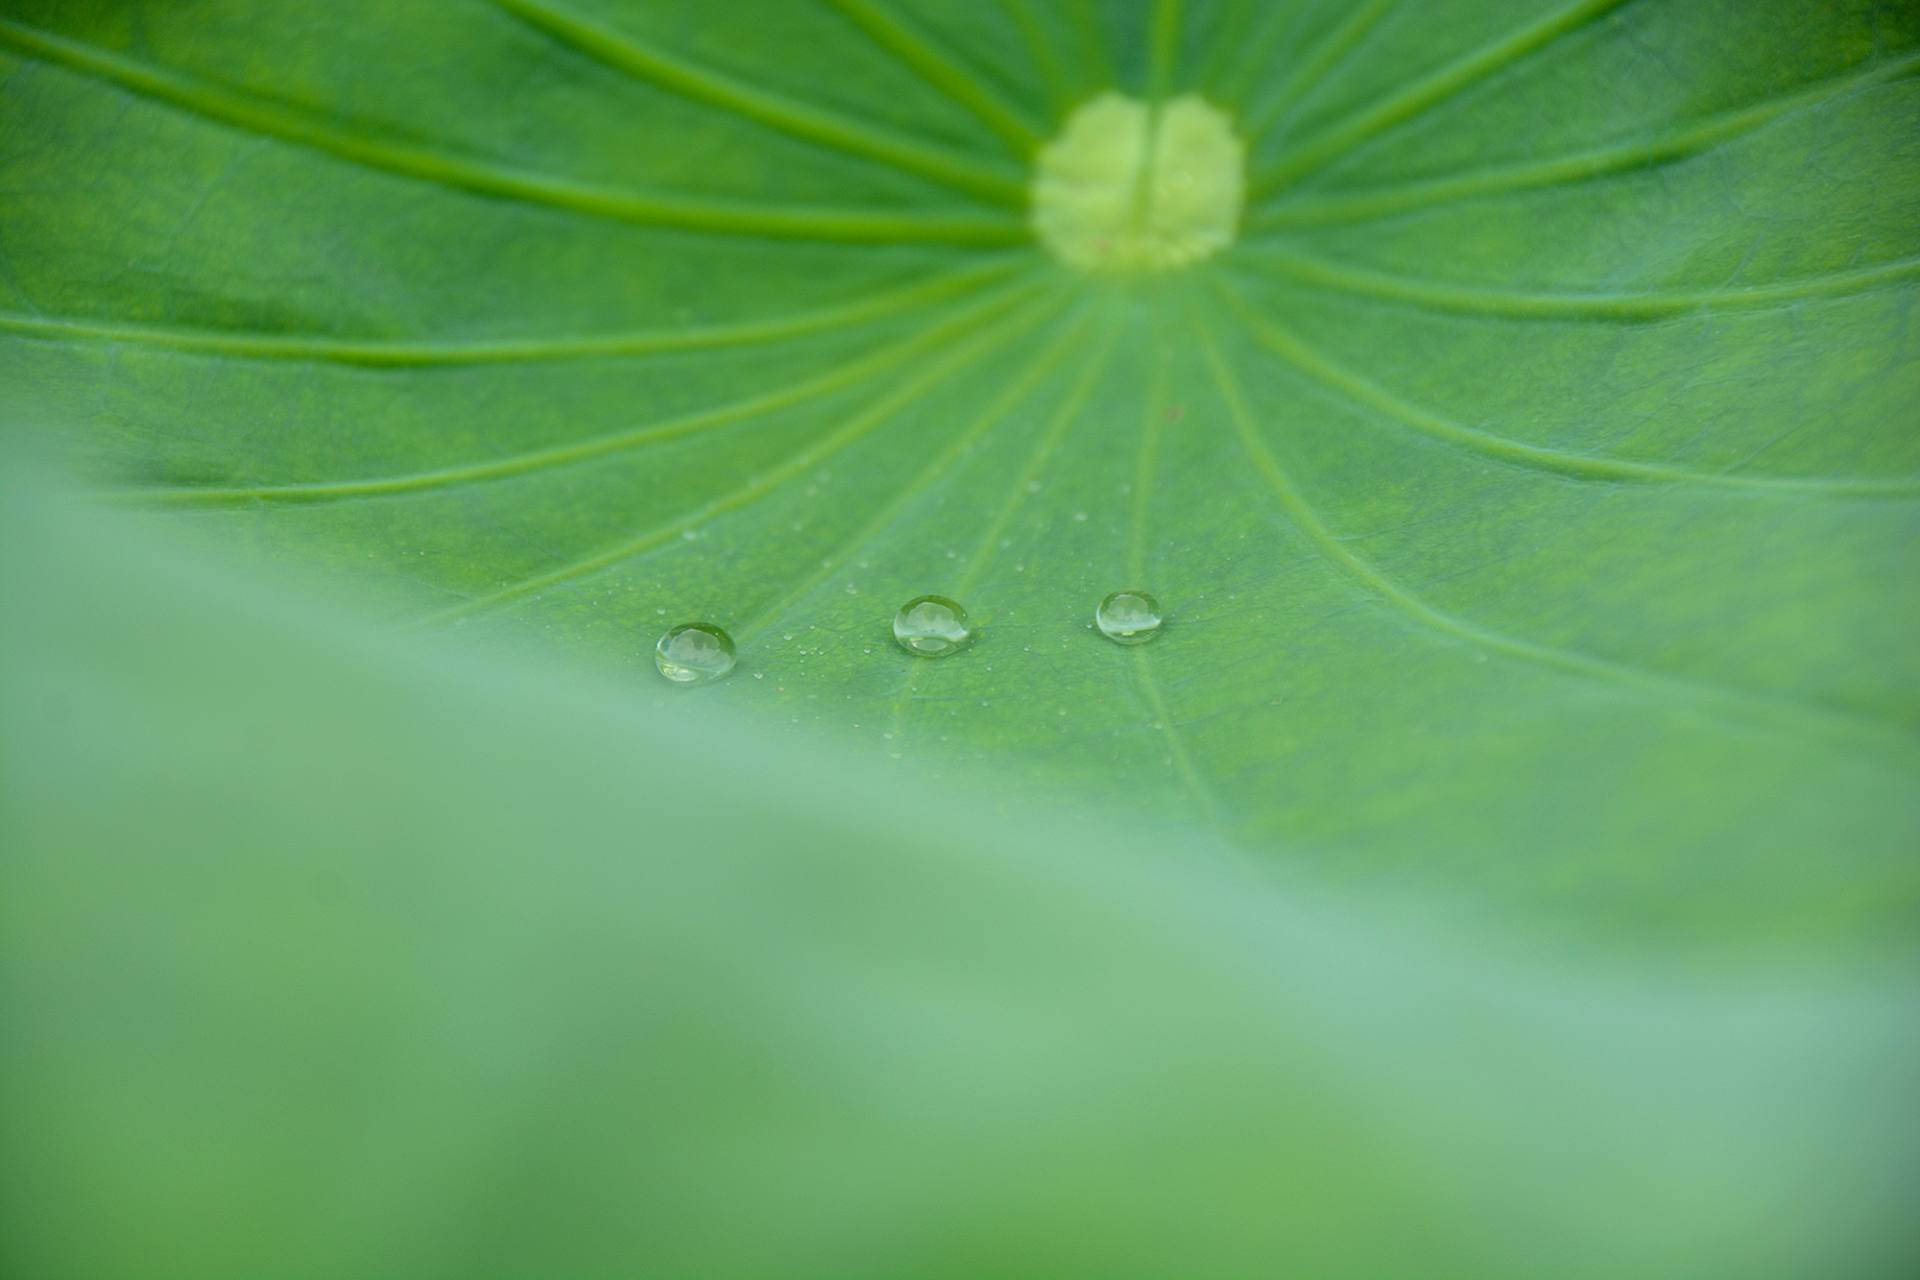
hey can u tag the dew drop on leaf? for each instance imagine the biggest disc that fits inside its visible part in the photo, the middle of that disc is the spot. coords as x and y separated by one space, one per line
932 627
693 653
1129 617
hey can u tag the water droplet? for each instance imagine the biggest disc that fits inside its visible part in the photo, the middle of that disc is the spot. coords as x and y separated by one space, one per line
1128 617
932 627
1079 517
693 653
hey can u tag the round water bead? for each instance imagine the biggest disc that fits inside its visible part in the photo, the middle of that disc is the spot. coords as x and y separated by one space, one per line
1129 617
694 652
932 627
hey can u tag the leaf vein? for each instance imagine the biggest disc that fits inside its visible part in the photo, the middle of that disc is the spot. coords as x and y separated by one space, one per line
260 117
1146 475
1439 295
1050 439
1597 162
1742 703
923 481
949 362
625 52
850 373
1353 387
1326 56
401 353
1430 90
959 84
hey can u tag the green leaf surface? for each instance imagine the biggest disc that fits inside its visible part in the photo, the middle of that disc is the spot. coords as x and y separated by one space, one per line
1502 864
1532 487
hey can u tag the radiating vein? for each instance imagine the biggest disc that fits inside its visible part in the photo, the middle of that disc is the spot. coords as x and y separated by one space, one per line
1315 67
447 169
847 374
403 353
942 73
949 361
1163 48
1441 295
1740 703
1146 464
1290 346
626 52
1427 92
1241 61
1581 166
1145 477
1046 59
1050 438
1227 36
1099 57
923 481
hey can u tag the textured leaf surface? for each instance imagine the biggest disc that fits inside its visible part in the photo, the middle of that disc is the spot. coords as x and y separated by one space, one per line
1532 487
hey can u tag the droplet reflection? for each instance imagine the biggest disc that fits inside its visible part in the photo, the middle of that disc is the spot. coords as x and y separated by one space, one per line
1129 617
932 627
693 653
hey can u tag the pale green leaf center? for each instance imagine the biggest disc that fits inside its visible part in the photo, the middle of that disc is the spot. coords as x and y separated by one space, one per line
1132 187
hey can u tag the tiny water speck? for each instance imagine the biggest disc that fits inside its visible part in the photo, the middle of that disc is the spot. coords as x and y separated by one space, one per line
932 627
1129 617
693 653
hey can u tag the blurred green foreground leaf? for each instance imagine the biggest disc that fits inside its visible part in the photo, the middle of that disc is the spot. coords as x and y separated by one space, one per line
330 953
